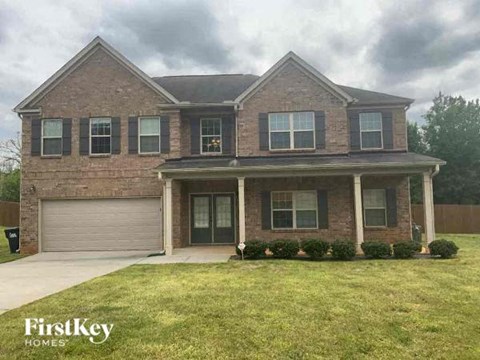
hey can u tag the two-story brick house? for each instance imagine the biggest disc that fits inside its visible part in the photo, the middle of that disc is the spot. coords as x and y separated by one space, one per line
116 160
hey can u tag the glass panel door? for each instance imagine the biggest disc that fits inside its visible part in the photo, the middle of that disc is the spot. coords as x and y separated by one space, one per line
224 230
201 219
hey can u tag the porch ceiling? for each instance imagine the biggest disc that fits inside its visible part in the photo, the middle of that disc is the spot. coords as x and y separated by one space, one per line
298 165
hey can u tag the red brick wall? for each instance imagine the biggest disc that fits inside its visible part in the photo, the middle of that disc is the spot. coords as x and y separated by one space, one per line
99 87
340 207
293 90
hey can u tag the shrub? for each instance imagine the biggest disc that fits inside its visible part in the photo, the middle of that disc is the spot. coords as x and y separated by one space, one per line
376 250
446 249
315 248
404 250
284 249
254 249
343 250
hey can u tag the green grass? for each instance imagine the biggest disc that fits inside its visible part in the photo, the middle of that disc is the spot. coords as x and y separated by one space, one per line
5 255
425 308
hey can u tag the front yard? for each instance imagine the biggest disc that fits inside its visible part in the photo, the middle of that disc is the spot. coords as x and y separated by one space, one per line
271 309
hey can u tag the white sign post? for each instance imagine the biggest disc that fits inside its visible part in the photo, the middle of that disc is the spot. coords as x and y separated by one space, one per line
241 247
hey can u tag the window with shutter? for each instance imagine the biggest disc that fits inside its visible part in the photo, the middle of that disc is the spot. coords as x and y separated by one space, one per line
149 135
371 134
374 207
52 132
100 136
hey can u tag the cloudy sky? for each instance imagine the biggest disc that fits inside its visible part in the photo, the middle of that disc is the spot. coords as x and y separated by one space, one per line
408 48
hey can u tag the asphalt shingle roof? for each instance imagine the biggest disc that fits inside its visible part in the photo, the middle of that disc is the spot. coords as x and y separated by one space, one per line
347 160
226 87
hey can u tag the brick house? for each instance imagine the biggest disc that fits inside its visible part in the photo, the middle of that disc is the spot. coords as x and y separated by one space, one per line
114 159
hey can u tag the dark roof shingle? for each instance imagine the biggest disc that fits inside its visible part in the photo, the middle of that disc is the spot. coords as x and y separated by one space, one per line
347 160
226 87
206 88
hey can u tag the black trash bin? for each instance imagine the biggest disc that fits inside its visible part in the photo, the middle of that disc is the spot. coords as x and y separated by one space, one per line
13 236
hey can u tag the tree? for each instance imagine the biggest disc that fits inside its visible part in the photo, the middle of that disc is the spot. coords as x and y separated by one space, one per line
10 162
452 133
10 153
417 145
10 185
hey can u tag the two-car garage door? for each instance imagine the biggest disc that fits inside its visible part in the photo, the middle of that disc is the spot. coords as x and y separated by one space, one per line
104 224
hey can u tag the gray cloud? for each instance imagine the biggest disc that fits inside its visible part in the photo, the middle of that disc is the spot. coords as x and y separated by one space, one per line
413 38
413 49
175 31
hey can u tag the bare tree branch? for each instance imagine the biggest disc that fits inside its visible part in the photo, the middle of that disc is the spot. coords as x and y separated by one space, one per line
11 153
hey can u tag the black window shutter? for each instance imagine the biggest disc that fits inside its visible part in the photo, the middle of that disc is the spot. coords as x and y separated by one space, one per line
133 135
36 138
387 127
353 117
67 137
391 194
116 135
165 134
266 211
263 131
84 136
195 135
322 203
320 129
227 129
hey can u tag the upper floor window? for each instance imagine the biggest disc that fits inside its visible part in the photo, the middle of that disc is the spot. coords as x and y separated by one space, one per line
52 137
375 207
100 136
149 135
211 135
290 131
294 210
371 130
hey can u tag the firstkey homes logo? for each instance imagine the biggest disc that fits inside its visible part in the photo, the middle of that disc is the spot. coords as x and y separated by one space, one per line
42 333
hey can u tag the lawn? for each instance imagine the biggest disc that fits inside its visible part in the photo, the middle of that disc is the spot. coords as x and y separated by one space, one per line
424 308
5 255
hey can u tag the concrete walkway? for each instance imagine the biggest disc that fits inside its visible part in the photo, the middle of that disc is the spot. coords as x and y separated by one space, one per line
34 277
194 255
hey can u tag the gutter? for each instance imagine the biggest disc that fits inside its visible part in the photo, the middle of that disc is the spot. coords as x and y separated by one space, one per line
186 105
26 111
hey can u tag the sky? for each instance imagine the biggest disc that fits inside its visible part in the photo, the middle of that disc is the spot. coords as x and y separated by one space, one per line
409 48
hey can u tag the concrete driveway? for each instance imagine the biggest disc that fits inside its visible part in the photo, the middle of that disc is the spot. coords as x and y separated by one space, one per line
34 277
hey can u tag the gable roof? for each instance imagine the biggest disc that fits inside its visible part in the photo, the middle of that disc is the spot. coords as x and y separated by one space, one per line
206 88
78 59
292 57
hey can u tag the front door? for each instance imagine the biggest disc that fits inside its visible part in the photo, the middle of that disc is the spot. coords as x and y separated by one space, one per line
212 219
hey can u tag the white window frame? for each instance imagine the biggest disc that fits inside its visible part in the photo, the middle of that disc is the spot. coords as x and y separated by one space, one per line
140 135
364 131
202 136
52 137
291 130
90 136
294 209
384 208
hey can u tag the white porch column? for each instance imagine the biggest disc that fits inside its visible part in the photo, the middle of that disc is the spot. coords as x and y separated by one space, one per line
241 209
357 190
428 207
167 216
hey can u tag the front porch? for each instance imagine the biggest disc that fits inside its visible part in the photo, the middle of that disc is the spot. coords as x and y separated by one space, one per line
224 205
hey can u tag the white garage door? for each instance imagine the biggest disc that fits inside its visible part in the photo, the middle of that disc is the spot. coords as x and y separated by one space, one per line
106 224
